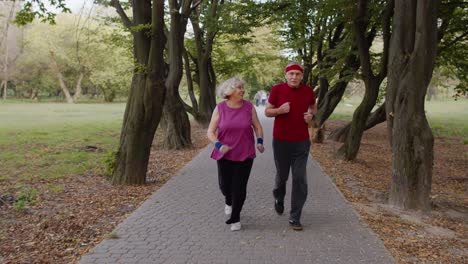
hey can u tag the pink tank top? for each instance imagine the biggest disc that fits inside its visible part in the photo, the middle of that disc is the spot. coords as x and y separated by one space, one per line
235 130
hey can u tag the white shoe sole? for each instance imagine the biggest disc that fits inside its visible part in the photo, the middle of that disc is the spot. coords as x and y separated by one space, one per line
236 226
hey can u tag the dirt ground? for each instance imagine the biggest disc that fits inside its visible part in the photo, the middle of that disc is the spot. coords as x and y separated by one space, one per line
63 226
440 236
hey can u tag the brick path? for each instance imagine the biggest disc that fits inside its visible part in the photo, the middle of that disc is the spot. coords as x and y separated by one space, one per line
183 222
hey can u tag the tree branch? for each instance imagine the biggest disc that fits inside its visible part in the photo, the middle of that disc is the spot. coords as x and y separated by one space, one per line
118 7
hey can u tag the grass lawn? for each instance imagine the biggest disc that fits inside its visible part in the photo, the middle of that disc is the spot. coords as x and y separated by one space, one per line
40 142
446 118
47 141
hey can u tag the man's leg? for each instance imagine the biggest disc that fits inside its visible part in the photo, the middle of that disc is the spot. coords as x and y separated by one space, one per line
239 188
299 179
282 163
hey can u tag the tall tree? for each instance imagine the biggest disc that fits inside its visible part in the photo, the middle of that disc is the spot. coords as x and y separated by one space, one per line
205 27
365 33
412 57
175 118
210 20
8 52
145 102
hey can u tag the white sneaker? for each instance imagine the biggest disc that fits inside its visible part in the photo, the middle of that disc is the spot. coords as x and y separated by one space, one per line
236 226
227 209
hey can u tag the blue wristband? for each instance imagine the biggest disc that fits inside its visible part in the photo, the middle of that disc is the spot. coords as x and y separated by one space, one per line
218 145
260 141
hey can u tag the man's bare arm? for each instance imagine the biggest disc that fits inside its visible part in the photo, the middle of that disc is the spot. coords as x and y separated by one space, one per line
271 111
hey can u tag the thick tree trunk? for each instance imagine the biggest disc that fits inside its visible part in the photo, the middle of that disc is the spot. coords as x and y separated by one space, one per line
412 58
207 82
193 110
175 118
207 102
146 98
330 100
349 150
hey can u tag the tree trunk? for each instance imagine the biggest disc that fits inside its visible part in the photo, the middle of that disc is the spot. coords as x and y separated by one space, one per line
412 58
3 87
78 89
331 99
349 150
175 118
145 102
62 84
207 101
375 118
4 39
193 110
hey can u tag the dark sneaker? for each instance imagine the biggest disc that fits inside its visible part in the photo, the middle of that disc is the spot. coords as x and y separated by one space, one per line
295 225
279 206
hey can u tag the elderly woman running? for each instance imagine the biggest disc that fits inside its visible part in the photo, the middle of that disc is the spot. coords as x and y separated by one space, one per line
231 130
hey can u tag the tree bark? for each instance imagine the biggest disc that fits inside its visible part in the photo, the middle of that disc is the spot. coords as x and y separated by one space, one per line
175 118
145 103
412 57
207 99
62 84
350 149
78 89
375 118
7 50
193 110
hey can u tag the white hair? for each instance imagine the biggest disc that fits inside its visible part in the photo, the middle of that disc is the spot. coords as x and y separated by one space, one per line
294 63
227 87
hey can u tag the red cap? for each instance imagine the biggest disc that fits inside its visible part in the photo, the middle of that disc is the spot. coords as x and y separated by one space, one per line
293 67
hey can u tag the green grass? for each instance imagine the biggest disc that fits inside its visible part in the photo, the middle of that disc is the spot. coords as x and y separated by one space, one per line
43 142
446 118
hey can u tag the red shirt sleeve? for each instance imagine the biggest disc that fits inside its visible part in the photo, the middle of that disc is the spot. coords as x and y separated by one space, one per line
273 98
312 101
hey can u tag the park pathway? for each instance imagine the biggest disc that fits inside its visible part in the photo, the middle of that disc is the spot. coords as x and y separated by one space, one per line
183 222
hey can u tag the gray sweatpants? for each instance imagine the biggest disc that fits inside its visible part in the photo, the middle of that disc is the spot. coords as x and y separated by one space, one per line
291 155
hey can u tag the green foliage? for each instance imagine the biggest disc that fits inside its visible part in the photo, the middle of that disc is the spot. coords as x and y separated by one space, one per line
109 162
26 197
453 43
55 189
258 62
37 9
100 48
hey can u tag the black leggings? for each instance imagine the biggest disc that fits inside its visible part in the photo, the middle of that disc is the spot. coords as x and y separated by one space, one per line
233 177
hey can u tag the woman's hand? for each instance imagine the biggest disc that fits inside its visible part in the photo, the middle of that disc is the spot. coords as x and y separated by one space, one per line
224 149
260 148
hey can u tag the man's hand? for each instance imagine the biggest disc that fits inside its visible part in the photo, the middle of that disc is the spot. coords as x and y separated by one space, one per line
284 108
308 117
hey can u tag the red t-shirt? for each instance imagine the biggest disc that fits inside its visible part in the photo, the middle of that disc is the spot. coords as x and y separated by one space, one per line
291 127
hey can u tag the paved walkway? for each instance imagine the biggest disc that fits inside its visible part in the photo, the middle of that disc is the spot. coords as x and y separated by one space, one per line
183 222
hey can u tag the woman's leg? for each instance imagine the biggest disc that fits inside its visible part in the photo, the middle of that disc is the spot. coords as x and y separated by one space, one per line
239 188
225 173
